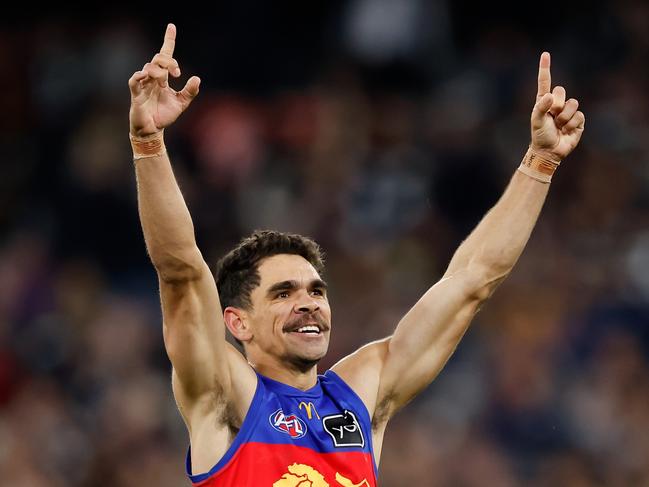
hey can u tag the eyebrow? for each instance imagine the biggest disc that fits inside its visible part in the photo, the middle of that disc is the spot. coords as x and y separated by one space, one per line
292 284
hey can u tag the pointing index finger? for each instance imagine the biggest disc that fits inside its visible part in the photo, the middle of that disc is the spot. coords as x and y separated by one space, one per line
170 41
545 80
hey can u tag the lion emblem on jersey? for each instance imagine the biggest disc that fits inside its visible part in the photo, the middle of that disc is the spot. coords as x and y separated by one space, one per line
300 475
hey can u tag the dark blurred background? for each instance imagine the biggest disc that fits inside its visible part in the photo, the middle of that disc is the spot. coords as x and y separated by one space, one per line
384 129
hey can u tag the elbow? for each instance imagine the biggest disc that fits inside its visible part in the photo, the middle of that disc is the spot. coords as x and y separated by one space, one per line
483 280
179 265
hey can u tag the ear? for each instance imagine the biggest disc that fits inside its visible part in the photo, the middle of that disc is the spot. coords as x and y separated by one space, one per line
235 320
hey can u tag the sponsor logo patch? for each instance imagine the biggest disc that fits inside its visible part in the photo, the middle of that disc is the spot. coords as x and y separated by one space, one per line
288 423
344 429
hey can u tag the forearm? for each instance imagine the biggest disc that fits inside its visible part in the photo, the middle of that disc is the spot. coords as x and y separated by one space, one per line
166 222
493 248
428 334
497 242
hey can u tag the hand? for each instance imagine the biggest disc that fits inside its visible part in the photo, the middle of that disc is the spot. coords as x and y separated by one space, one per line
154 105
556 124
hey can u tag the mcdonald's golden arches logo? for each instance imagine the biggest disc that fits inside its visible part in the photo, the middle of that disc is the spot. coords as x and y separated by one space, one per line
310 409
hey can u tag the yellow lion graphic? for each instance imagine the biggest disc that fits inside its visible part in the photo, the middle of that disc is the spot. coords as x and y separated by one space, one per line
300 475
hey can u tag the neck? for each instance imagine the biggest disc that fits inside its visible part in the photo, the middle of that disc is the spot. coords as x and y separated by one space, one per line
294 377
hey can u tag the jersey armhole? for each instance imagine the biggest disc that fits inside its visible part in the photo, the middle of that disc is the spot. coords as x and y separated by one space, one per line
364 411
243 434
340 381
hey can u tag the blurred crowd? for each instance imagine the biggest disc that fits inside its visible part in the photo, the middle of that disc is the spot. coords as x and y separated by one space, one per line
384 130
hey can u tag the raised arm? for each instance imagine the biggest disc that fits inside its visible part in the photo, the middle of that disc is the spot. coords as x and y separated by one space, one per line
401 366
193 329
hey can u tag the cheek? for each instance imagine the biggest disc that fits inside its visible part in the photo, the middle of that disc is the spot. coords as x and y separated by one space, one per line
279 314
326 309
265 320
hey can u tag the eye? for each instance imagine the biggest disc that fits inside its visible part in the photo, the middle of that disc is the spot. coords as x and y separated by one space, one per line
283 294
317 292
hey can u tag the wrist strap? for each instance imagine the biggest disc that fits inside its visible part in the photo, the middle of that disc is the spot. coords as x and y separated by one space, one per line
148 146
537 166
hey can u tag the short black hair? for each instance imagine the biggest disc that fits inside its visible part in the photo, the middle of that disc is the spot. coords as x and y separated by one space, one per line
237 273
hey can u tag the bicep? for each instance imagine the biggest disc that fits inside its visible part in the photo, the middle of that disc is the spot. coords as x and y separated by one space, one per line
194 333
426 337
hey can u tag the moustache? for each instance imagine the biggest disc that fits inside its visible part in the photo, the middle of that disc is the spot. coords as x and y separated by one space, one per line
304 320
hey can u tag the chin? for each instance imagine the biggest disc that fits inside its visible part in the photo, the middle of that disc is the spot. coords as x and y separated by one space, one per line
305 362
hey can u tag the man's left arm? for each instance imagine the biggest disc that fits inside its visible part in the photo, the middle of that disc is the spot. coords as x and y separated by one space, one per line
389 373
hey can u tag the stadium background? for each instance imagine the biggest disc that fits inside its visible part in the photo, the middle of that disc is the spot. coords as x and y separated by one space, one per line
383 129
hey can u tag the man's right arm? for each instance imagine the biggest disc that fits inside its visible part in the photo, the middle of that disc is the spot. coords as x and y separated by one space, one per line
194 333
193 329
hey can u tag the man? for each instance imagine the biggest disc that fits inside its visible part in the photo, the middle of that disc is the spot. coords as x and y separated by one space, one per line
268 418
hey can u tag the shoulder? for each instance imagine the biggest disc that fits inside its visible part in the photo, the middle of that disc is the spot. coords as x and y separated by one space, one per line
361 371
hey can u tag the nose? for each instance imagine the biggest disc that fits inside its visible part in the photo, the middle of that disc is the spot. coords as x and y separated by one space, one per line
306 305
308 308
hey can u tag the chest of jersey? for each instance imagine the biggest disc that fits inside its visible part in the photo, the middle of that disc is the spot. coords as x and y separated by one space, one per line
292 438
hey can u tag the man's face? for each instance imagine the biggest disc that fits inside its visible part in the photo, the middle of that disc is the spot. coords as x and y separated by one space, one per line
290 316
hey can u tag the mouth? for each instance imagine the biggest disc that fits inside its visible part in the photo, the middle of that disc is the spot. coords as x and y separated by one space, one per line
310 328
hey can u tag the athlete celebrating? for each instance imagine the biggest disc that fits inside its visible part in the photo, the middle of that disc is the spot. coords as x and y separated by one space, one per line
266 417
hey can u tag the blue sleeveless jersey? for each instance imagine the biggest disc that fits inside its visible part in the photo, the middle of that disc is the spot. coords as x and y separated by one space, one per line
320 437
